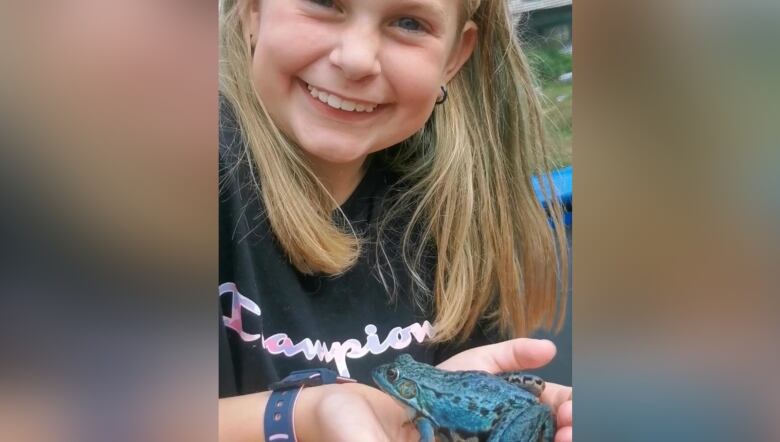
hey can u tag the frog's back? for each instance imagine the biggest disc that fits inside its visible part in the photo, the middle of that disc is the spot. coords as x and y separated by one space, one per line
471 401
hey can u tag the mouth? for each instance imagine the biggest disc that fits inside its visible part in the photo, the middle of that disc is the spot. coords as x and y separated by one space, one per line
376 377
340 103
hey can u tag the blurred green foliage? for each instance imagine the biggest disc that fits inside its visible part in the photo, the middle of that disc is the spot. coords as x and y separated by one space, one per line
548 62
557 104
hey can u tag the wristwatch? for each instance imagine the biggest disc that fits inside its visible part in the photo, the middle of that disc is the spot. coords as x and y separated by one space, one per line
278 422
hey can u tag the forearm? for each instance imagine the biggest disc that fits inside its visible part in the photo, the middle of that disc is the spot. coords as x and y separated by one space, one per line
241 417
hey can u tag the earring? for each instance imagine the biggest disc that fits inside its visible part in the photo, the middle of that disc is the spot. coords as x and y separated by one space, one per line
252 43
442 96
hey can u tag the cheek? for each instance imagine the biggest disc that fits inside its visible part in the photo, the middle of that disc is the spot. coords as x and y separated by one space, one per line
286 44
415 84
415 77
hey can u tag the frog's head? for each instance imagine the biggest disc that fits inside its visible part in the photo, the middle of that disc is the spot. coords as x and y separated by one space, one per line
401 379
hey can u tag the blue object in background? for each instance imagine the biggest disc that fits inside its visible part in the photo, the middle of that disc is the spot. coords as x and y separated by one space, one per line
560 369
561 180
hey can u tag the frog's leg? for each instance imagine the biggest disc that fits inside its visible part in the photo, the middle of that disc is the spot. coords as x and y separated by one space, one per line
426 429
457 437
534 425
441 436
528 382
548 428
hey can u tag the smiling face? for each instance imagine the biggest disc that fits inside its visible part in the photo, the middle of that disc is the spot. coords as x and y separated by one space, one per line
346 78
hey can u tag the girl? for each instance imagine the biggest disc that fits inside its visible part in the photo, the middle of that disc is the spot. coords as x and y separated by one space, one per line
375 164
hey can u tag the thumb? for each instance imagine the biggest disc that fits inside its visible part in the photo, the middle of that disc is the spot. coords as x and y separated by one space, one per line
512 355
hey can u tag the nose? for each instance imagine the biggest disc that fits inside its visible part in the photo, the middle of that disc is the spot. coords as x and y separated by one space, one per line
356 53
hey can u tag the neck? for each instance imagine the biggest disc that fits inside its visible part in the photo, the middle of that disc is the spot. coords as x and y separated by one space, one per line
341 179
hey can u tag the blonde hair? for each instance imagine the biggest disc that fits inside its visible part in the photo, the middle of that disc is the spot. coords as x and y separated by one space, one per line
469 173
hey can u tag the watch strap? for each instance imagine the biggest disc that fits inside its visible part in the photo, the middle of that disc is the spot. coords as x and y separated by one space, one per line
278 421
309 378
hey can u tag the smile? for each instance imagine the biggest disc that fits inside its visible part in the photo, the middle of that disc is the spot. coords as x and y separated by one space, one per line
341 103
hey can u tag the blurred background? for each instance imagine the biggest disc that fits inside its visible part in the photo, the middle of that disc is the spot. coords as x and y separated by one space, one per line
108 219
544 29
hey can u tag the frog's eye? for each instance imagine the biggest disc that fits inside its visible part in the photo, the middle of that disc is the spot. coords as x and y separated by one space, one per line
392 374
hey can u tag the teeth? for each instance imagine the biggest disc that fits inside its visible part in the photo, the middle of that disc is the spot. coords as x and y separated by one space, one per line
334 101
338 102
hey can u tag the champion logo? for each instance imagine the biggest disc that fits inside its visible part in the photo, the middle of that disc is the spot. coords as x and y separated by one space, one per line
397 338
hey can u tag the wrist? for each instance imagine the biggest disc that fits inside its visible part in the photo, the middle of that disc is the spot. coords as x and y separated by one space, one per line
279 415
316 404
304 412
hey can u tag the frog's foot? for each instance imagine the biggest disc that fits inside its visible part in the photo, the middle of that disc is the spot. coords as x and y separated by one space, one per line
457 437
445 435
532 425
548 428
528 382
426 429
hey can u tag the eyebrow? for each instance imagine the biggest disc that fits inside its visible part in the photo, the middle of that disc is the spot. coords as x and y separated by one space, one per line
426 6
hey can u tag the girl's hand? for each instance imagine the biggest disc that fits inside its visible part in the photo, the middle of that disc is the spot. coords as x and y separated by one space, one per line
351 413
355 412
521 354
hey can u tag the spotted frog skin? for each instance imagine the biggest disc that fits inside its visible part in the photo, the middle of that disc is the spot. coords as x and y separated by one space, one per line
500 408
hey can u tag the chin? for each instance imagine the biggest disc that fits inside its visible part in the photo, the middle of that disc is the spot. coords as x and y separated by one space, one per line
344 152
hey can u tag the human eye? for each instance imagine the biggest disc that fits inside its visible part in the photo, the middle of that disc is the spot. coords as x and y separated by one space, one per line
323 3
410 24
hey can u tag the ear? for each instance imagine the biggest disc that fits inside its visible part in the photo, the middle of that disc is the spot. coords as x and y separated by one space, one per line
462 50
251 19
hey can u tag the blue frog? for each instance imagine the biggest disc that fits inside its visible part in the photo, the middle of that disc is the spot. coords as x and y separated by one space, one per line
500 408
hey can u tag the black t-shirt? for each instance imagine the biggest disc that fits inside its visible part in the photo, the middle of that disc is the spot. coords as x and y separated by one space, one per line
274 319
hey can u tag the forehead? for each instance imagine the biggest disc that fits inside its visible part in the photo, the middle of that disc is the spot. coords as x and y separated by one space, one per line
439 7
461 10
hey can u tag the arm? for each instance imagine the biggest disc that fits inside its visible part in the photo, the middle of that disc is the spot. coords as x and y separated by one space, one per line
345 412
241 417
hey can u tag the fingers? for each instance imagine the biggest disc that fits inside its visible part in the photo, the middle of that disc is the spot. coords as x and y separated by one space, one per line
564 422
516 354
563 434
555 395
521 354
565 418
